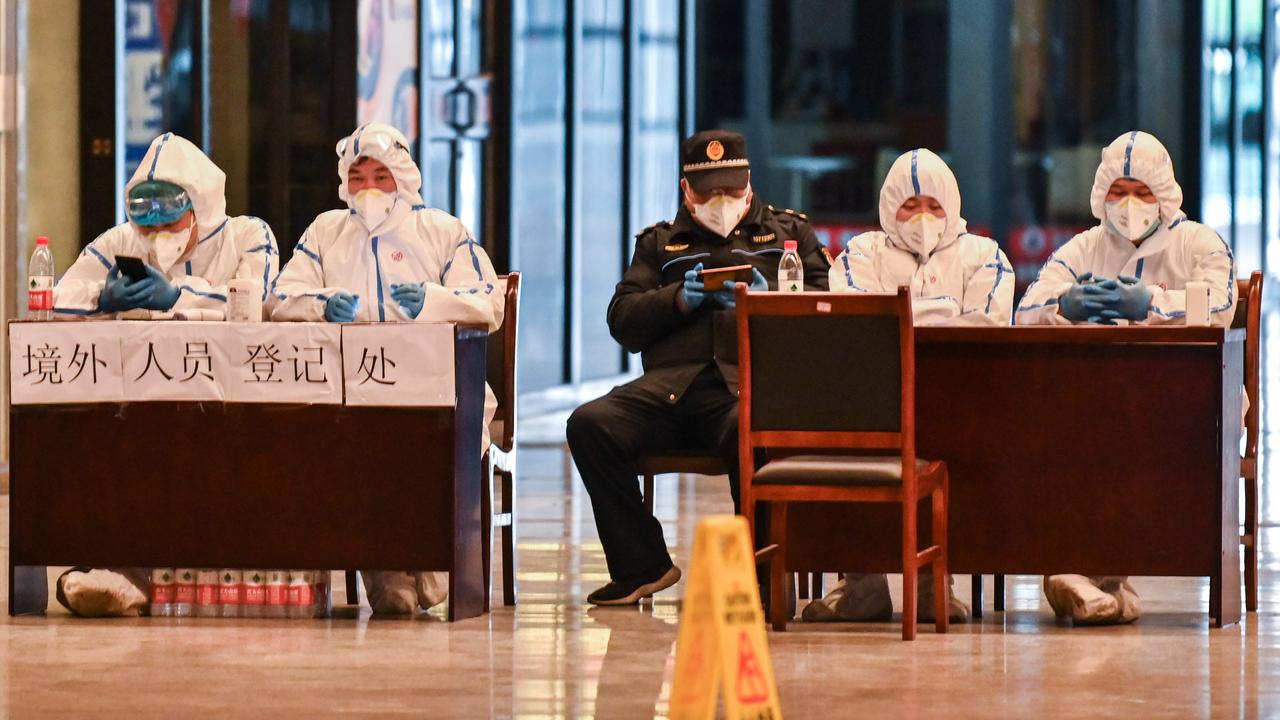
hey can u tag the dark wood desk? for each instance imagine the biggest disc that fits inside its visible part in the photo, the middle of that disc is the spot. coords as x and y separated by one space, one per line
251 486
1100 451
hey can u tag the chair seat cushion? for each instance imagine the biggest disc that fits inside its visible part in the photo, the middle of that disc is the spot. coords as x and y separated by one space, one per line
834 470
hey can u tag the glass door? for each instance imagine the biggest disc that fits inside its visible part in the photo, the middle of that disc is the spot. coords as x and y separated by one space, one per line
455 109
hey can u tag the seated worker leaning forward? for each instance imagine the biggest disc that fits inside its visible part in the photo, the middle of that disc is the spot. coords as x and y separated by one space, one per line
687 337
178 226
390 258
955 277
1133 267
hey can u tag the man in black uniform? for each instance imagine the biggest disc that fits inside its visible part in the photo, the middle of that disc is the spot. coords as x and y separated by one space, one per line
687 337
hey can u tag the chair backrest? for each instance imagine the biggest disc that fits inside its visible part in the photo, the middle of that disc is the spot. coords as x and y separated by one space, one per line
501 363
1249 316
788 346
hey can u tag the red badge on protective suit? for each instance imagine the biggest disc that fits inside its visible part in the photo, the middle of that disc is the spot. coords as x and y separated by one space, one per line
397 256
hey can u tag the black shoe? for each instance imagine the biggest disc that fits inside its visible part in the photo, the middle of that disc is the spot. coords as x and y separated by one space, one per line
629 593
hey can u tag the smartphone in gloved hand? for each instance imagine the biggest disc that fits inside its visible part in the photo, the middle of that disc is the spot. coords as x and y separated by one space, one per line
132 267
713 278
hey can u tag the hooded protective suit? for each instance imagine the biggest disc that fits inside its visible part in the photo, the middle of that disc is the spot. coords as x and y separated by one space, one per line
228 248
413 244
964 279
410 244
1179 251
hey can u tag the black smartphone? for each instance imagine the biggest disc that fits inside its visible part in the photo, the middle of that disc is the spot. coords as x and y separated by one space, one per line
132 267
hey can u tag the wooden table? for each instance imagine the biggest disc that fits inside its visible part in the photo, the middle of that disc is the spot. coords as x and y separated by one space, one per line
252 486
1091 450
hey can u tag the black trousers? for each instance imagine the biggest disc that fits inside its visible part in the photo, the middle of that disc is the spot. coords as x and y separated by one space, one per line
609 435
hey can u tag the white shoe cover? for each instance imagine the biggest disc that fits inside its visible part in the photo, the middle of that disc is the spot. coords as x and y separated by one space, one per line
101 593
433 588
1080 598
957 611
390 593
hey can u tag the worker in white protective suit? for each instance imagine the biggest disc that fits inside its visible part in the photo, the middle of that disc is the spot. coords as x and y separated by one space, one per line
390 258
178 226
1132 267
955 277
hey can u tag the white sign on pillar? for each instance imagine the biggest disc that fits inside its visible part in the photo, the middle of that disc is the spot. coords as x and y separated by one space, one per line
174 360
399 364
62 362
283 363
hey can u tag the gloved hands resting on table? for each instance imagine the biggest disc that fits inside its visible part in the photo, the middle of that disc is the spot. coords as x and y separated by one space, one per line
411 296
120 293
341 307
693 293
1102 300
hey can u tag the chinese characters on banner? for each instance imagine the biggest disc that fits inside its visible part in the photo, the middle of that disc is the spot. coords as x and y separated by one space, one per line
53 363
409 364
56 362
294 363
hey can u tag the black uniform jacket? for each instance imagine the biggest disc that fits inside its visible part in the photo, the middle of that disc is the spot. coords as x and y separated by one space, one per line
675 347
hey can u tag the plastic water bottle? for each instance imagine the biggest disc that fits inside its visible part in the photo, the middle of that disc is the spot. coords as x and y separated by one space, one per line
207 600
790 269
184 592
161 592
40 282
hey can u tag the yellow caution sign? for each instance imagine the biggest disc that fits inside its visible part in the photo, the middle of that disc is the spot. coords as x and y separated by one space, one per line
722 639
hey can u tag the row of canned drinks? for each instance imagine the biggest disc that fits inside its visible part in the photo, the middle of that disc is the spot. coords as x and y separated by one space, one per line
186 592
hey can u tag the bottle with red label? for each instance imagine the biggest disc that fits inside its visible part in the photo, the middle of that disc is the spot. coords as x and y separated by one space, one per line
277 594
229 591
301 593
207 593
184 592
40 282
254 595
161 592
320 593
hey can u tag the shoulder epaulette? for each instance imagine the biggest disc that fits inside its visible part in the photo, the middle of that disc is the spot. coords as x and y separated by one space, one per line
789 211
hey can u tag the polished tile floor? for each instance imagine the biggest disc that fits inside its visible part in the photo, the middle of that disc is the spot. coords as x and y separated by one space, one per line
554 657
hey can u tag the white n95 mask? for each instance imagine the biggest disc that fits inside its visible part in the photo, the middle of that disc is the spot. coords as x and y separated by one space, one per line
922 232
169 246
373 206
1133 219
721 213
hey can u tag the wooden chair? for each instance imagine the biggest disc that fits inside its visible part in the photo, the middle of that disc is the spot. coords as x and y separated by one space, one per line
786 408
500 462
500 458
1249 316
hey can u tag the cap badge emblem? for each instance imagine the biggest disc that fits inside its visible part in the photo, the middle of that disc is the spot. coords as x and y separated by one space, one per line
715 150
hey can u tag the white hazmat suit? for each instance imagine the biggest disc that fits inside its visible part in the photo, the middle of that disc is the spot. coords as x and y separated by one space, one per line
228 247
410 244
1178 251
964 280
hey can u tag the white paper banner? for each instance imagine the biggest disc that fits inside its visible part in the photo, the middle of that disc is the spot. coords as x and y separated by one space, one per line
399 364
283 363
61 362
174 360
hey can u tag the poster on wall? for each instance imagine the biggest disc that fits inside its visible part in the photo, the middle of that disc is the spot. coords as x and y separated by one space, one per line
387 65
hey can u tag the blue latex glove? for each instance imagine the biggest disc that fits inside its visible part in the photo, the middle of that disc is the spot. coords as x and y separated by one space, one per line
726 296
341 308
1088 298
1134 299
693 292
163 293
120 293
411 296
